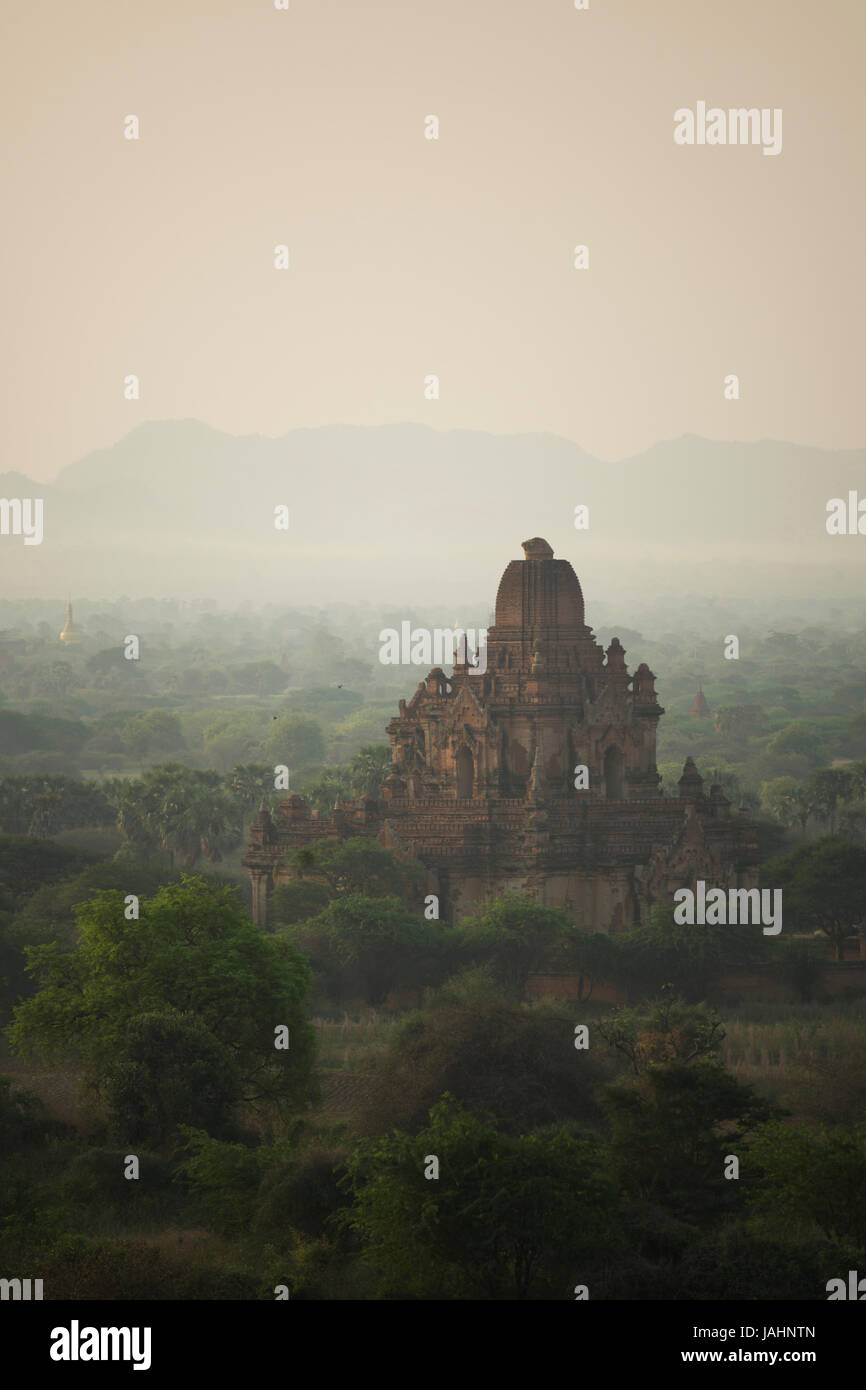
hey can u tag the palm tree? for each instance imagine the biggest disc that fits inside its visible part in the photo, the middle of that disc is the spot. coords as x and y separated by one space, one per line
248 782
304 861
369 768
801 809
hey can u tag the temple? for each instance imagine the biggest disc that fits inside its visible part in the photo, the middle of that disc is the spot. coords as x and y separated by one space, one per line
700 709
535 773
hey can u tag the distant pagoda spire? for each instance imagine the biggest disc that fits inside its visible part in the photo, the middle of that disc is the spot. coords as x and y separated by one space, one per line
70 633
700 709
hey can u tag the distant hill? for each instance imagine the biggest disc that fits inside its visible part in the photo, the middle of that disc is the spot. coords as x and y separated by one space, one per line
407 513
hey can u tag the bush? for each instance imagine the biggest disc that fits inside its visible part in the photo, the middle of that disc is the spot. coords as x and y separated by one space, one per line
516 1063
77 1267
748 1261
302 1199
297 901
25 1121
225 1179
95 1182
803 963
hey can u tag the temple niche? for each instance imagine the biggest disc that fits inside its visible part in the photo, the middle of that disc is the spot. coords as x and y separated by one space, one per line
483 788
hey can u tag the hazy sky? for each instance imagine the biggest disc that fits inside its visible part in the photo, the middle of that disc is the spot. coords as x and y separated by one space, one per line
411 256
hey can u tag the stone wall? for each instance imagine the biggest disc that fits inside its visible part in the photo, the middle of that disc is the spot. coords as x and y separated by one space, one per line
839 980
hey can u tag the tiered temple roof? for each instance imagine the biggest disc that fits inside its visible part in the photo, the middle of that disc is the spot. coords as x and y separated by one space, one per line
534 771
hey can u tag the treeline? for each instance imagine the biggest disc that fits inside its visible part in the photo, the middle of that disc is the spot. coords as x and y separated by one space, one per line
192 813
615 1158
357 914
576 1147
775 766
834 797
206 737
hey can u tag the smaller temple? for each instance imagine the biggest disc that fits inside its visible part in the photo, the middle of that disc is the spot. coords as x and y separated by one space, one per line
700 709
70 634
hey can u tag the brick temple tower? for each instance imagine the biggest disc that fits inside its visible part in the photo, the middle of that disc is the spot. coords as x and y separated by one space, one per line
700 708
535 772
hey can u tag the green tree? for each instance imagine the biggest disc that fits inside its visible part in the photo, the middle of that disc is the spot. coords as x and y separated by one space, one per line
510 1217
258 677
738 721
514 1062
27 864
182 811
296 741
857 773
137 820
233 737
825 789
153 731
48 914
326 702
369 768
359 865
19 733
661 951
594 958
25 1121
378 944
802 963
672 1128
516 936
225 1178
858 735
323 791
667 1030
798 737
852 822
171 1071
248 783
760 1260
24 865
44 805
193 949
823 887
813 1175
297 901
801 809
779 796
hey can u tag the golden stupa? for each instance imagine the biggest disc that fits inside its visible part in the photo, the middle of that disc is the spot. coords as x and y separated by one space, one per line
70 632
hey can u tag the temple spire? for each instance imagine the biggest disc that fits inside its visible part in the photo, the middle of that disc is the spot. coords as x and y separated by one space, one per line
70 633
700 709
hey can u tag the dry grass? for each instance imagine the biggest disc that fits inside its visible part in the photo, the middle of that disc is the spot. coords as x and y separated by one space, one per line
56 1086
353 1043
189 1242
346 1094
808 1057
796 1031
